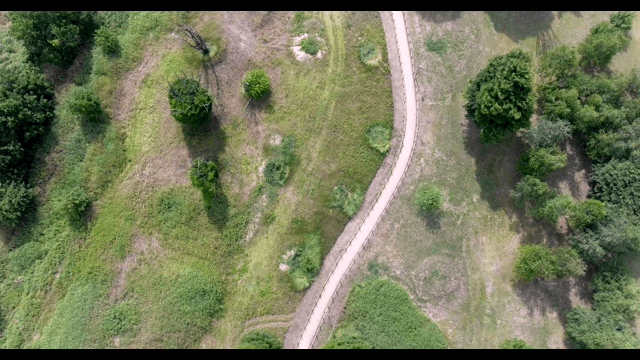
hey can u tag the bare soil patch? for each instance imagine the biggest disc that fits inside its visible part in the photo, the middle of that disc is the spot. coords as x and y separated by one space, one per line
142 245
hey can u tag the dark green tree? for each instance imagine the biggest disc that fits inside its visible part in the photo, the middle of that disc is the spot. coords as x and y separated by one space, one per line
84 103
540 161
52 36
14 199
618 183
603 42
500 99
189 103
623 20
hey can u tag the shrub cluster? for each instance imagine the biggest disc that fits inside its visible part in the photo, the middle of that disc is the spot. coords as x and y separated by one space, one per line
276 169
14 199
305 262
256 83
349 200
379 137
535 261
259 339
189 103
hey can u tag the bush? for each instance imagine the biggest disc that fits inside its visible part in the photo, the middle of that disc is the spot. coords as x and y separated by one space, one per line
559 62
121 317
601 45
539 201
258 339
560 104
428 198
539 162
612 185
256 83
14 199
535 261
514 344
438 46
347 200
84 103
379 136
203 174
310 45
547 133
22 258
276 171
347 341
586 213
52 36
107 40
620 232
366 51
494 113
305 262
623 20
189 103
74 202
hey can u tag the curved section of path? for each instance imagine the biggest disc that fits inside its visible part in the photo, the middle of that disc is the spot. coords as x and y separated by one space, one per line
311 328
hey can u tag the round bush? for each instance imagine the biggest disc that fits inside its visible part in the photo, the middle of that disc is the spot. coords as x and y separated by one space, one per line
189 103
84 103
429 198
366 51
258 339
75 202
203 174
107 40
310 45
14 198
275 171
256 83
379 136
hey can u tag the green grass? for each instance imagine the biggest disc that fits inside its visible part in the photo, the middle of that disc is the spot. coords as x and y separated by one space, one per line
383 313
438 46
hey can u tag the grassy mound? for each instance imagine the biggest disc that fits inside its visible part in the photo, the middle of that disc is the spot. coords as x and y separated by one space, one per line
379 136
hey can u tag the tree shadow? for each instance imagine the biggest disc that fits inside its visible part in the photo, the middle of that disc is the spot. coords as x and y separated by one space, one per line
432 219
518 25
575 13
440 16
217 208
546 40
576 173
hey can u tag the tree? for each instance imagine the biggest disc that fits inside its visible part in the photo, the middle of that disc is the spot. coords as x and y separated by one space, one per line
84 103
258 339
603 42
586 213
428 198
256 83
106 38
560 104
547 133
618 183
500 99
556 205
52 36
203 174
193 39
623 20
540 161
559 62
189 103
14 198
514 343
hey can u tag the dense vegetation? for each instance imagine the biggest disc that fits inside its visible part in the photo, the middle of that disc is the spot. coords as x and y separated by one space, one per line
256 84
190 103
428 198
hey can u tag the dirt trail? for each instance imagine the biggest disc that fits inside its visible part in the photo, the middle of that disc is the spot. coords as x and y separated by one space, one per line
326 295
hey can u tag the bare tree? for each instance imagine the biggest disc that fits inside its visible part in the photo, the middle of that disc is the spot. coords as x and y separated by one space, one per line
198 42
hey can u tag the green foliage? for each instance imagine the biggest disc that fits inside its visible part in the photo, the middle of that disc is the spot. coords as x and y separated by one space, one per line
379 137
258 339
14 199
514 343
540 161
438 46
535 261
603 42
560 62
539 201
52 36
74 202
22 258
366 51
384 314
204 174
500 99
349 200
612 184
305 262
310 45
547 133
119 318
560 104
276 171
256 83
189 103
623 20
299 17
197 296
347 341
586 213
84 103
619 232
106 38
428 198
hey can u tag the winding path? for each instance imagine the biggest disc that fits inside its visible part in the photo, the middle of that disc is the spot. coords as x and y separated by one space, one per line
315 319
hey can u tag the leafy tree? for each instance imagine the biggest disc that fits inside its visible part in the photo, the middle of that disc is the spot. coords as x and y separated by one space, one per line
514 344
347 341
428 198
603 42
256 83
203 174
84 103
540 161
14 198
623 20
559 62
258 339
500 99
617 183
189 103
547 133
106 38
586 213
560 104
52 36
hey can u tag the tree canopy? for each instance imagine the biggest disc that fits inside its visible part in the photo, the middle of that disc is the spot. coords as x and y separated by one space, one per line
189 103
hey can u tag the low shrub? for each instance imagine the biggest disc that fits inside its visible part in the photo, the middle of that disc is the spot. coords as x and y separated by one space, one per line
84 103
347 200
14 199
203 174
23 257
107 40
347 341
256 83
258 339
305 262
539 162
310 45
514 344
74 202
121 317
366 51
438 46
379 137
428 198
276 171
535 261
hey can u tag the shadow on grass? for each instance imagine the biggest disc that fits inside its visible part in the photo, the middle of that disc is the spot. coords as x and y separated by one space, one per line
432 219
218 208
519 25
440 16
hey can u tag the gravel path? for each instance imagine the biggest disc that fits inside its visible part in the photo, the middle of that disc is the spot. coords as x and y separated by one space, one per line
327 293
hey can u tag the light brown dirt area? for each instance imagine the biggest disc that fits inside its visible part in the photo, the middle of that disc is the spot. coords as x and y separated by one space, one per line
457 264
